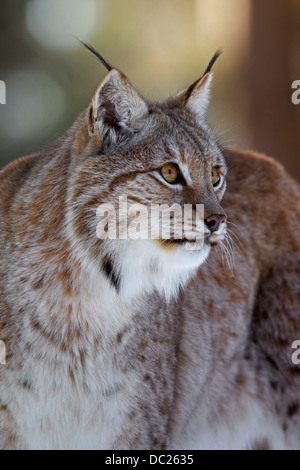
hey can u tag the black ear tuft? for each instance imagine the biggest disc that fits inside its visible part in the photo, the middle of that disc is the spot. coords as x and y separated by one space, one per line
191 88
212 61
97 54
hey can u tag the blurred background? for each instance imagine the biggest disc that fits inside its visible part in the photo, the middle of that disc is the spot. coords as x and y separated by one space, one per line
163 46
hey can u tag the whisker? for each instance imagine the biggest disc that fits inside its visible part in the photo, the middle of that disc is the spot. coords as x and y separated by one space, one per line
232 245
216 129
225 253
222 254
238 244
229 251
237 227
223 142
227 258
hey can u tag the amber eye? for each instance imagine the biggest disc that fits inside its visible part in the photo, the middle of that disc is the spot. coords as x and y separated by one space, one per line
215 177
169 173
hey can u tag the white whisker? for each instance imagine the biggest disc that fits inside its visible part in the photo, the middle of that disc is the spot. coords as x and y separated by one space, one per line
220 248
229 252
237 227
238 244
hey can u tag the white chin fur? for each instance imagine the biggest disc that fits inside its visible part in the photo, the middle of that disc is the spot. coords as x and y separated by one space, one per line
145 266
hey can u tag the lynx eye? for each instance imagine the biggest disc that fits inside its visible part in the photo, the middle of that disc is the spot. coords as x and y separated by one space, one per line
170 173
215 177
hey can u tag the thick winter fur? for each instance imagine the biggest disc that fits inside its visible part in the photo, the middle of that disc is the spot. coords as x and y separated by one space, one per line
139 344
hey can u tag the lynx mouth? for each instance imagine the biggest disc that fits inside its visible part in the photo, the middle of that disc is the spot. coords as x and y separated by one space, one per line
210 239
214 239
172 244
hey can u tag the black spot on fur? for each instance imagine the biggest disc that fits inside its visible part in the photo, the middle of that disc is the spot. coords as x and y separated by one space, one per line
111 273
285 427
261 444
26 384
274 384
292 409
271 361
71 375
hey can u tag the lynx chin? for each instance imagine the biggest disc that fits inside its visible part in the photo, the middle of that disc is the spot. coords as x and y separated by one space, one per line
116 343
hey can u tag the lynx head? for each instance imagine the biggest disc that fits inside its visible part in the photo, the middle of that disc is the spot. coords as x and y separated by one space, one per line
148 154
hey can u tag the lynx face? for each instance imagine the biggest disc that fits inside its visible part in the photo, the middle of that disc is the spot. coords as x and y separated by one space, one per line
150 154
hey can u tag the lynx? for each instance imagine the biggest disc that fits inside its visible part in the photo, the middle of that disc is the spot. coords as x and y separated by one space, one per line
143 344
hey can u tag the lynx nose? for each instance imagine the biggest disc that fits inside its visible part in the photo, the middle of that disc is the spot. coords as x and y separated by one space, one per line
214 221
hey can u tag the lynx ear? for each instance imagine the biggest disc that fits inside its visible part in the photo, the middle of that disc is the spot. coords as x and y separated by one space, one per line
116 107
196 96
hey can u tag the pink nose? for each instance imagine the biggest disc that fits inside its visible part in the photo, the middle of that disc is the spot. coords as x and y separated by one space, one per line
214 221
